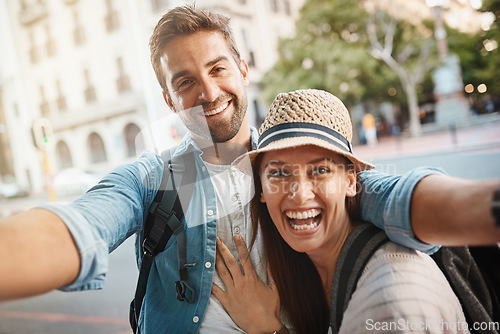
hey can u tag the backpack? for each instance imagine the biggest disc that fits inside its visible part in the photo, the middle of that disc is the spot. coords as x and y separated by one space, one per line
164 219
472 272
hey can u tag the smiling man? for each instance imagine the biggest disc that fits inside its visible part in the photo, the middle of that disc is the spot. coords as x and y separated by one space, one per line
204 80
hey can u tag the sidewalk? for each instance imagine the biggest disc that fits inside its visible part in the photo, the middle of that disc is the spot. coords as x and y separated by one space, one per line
483 136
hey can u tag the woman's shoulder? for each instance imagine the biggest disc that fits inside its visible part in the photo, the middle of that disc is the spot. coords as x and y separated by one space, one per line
400 287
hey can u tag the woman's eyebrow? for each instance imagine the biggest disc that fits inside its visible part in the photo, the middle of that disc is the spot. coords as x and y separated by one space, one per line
321 160
274 162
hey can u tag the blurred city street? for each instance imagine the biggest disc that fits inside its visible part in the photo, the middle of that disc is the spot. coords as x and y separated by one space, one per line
472 152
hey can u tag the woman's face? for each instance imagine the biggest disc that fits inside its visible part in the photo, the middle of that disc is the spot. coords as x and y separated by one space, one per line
304 189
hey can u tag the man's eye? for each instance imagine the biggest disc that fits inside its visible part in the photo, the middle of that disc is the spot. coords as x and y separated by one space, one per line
185 82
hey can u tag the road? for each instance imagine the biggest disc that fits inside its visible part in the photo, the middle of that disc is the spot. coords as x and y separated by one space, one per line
106 311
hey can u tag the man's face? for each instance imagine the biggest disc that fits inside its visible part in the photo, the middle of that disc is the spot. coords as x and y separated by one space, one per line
206 85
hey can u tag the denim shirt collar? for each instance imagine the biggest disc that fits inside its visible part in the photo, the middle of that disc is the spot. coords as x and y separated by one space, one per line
188 143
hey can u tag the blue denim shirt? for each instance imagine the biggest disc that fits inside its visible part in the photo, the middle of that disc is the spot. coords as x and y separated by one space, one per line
116 208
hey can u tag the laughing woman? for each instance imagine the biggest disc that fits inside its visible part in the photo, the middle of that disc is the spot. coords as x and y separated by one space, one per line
306 207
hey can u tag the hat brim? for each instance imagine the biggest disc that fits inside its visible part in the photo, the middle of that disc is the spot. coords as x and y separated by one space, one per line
306 140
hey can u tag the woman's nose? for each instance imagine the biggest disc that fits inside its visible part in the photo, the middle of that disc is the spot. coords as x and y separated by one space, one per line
301 191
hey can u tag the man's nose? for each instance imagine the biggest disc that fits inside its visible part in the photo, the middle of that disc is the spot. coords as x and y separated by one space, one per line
209 90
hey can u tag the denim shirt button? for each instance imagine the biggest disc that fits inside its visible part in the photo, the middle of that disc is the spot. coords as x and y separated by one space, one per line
196 319
210 212
203 168
208 264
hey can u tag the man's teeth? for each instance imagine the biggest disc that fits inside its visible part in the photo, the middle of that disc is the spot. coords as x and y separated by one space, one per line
216 111
295 215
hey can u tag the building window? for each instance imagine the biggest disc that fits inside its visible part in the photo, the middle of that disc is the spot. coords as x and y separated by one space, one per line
44 104
63 155
248 46
111 19
78 32
251 59
50 44
89 90
130 134
123 81
34 57
61 99
288 9
274 5
96 148
157 5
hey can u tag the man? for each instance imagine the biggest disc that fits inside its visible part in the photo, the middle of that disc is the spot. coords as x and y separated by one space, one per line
203 80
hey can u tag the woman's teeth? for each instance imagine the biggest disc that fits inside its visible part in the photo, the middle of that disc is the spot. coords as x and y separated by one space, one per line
216 111
300 215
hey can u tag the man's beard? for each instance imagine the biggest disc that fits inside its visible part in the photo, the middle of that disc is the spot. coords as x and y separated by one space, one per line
223 130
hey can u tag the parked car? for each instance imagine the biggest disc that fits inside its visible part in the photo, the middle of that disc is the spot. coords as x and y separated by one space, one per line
11 189
74 182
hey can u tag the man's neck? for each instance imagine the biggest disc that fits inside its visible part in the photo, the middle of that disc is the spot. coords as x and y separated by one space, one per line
225 153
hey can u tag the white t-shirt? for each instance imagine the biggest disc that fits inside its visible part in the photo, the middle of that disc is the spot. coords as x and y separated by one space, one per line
234 190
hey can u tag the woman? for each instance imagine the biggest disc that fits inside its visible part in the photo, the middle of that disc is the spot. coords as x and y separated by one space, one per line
306 206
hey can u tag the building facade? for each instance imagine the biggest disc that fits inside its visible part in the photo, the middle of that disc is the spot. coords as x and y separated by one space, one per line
84 66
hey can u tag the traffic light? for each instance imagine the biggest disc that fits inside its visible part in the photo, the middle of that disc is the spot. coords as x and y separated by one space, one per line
42 133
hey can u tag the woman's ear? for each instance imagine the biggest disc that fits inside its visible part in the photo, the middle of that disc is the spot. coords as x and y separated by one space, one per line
351 183
262 199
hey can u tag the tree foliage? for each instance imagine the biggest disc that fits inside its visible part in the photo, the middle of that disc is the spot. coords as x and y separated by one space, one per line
329 52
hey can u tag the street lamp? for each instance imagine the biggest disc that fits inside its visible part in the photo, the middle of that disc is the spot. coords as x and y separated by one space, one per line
451 106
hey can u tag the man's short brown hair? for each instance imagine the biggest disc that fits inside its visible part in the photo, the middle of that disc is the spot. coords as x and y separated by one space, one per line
182 21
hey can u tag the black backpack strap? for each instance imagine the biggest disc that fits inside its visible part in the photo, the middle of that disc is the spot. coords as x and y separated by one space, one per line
164 219
354 255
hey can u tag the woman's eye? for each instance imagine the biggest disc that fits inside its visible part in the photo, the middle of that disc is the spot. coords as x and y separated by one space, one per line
277 173
321 170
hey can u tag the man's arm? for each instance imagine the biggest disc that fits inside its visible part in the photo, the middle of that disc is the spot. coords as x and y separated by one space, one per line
37 254
452 212
424 207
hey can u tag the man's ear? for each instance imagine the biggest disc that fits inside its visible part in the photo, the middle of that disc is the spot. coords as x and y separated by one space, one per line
168 101
244 72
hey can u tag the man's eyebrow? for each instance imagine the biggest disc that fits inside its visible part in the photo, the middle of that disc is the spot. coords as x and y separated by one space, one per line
215 61
178 75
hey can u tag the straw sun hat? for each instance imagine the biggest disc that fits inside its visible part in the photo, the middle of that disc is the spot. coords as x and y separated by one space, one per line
308 117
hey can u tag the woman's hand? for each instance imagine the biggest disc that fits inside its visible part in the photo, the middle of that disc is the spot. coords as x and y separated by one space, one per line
253 305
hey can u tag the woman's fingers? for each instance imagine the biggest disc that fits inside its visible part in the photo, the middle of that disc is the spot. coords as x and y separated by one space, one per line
245 260
230 262
222 270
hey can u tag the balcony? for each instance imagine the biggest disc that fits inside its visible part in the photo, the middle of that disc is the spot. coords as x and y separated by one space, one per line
33 12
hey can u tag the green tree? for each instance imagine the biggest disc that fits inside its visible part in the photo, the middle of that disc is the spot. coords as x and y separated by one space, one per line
406 50
329 53
479 53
